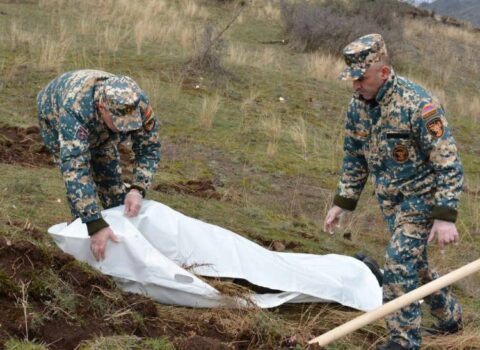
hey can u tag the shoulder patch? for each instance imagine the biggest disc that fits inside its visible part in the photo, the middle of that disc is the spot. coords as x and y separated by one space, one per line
81 133
149 124
148 112
429 110
435 127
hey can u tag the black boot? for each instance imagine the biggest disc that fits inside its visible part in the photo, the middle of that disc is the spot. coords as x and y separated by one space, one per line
372 265
391 345
438 330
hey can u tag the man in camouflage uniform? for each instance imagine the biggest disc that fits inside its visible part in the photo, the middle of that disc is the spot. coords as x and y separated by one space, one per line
83 116
396 131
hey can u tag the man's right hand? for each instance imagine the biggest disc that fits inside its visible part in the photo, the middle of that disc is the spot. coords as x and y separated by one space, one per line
98 242
332 219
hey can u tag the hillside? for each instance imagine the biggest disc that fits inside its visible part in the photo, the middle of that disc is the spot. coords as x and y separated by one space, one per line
251 129
465 10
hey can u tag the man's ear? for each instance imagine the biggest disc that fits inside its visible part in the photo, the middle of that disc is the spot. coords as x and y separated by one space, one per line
385 72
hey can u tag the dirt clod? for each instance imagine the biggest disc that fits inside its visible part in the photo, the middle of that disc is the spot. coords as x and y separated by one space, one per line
23 146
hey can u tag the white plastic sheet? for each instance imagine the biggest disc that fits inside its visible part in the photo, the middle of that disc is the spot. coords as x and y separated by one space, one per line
160 243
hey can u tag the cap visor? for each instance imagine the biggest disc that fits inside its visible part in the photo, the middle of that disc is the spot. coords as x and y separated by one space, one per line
351 74
128 122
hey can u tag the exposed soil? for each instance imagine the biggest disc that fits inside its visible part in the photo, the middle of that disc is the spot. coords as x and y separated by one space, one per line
23 146
52 298
276 245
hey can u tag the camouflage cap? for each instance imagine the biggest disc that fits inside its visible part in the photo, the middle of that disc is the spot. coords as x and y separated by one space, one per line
361 54
121 95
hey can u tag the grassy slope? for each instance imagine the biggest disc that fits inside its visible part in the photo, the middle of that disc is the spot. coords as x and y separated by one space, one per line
278 196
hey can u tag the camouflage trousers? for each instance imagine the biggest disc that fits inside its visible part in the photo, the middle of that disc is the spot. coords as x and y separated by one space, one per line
406 268
104 164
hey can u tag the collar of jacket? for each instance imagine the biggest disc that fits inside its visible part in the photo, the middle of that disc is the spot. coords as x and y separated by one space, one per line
384 95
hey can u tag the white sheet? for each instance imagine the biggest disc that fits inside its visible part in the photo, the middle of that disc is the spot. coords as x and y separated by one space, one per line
159 242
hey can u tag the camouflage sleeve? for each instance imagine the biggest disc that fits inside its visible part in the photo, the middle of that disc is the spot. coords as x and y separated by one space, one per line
437 142
146 147
354 170
74 160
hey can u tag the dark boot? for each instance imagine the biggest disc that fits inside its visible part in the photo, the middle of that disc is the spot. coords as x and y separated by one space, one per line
391 345
372 265
438 330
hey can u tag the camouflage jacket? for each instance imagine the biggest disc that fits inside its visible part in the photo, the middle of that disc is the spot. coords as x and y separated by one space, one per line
402 138
69 104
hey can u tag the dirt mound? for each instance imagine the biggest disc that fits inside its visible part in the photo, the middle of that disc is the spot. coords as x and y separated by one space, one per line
41 293
50 297
198 188
23 146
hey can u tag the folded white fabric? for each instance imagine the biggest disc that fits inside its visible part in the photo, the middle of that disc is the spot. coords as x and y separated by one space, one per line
158 244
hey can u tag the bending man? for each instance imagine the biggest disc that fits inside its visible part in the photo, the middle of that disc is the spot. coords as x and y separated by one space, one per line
83 116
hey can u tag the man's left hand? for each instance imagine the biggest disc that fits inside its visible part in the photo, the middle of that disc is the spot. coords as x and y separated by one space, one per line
133 203
446 233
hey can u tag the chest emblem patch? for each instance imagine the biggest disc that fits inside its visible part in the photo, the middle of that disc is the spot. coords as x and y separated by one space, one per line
400 153
81 133
435 127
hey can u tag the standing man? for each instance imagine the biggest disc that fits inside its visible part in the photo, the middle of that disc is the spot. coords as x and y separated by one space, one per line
83 116
396 131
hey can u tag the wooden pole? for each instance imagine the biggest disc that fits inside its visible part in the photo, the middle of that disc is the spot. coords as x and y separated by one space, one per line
397 304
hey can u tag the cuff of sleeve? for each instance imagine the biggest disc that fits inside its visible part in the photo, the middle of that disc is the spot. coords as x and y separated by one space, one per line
444 213
139 188
96 225
345 203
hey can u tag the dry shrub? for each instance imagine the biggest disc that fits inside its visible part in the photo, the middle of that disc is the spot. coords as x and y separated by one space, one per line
333 24
210 48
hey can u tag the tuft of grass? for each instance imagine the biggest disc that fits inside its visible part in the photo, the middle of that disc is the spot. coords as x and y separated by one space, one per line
127 342
272 127
210 106
14 344
53 54
299 135
324 67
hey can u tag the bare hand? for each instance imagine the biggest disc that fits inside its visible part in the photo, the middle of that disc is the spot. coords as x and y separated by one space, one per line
133 203
446 233
98 242
332 219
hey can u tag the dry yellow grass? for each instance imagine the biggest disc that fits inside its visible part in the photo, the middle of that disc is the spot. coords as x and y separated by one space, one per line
237 54
18 36
414 27
272 127
299 135
268 9
467 106
52 53
265 58
210 106
324 67
85 24
191 8
112 37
